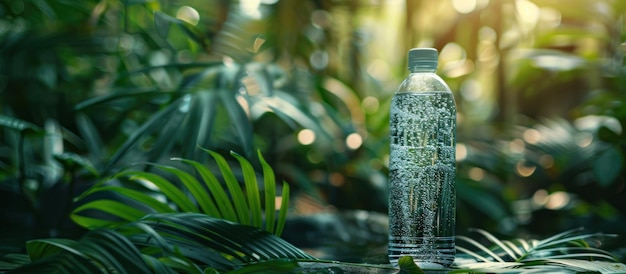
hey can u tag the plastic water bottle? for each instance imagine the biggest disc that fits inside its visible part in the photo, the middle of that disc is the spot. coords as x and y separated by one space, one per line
422 197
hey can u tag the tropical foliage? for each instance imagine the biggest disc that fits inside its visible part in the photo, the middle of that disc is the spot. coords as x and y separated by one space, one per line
566 252
97 97
160 243
174 228
134 194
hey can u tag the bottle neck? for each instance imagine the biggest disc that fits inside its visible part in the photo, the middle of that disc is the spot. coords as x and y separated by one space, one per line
418 69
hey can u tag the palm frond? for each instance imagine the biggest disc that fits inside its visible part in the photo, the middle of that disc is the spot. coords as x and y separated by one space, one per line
569 250
189 193
98 251
160 243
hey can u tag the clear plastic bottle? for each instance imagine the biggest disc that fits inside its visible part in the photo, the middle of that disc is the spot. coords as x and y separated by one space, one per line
422 197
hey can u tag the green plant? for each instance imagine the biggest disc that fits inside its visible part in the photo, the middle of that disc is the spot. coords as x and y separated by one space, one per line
131 194
566 252
159 243
142 233
39 180
135 228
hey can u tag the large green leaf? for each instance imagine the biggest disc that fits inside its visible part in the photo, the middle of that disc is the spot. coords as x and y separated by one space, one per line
143 193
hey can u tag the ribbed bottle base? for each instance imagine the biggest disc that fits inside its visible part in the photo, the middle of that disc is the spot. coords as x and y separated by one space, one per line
428 253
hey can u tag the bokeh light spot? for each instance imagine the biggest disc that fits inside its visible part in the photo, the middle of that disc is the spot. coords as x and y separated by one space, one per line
540 198
319 59
370 105
306 137
464 6
532 136
461 152
354 140
476 174
336 179
583 139
546 161
188 14
558 200
523 170
517 146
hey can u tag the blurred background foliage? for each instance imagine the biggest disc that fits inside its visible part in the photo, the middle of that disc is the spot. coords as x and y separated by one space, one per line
90 87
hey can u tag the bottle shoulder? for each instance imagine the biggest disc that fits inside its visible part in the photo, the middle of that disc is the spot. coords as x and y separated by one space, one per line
423 82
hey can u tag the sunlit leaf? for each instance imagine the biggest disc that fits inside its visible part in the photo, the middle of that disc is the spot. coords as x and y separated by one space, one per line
269 187
223 203
239 201
115 208
252 190
170 190
408 266
196 189
135 195
284 206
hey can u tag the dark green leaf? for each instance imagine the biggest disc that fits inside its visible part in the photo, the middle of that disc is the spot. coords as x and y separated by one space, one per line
609 135
608 166
38 249
238 118
98 249
90 135
162 23
117 95
154 123
19 125
170 131
12 261
71 161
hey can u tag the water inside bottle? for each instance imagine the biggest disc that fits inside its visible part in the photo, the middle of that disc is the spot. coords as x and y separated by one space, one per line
422 174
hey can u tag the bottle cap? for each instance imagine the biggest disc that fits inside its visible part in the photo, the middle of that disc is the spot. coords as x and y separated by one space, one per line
423 58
